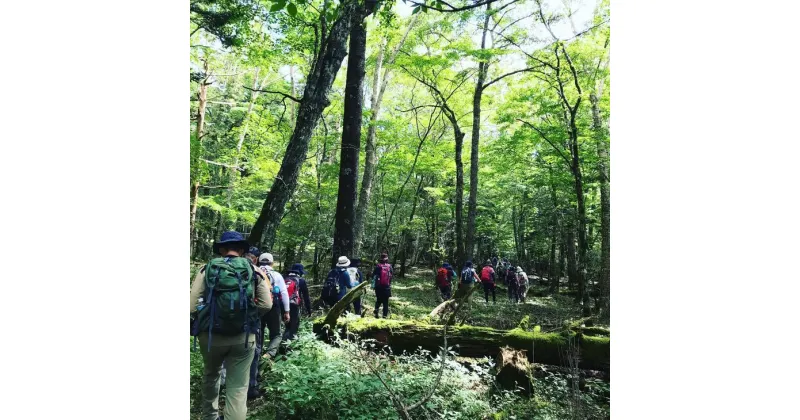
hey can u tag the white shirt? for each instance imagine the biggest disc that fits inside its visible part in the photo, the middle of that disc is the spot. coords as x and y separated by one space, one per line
277 279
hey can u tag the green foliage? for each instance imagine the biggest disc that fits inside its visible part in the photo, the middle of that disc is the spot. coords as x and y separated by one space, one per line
227 20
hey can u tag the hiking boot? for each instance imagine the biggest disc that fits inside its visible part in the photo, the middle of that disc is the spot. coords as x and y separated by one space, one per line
376 314
253 393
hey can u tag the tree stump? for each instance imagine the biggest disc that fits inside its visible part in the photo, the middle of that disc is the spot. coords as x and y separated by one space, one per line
513 369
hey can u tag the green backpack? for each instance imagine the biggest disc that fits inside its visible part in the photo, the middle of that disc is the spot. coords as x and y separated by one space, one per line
229 299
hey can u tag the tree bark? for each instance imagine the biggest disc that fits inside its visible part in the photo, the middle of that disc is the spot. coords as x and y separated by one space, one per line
314 101
370 155
344 221
459 136
476 134
572 269
406 232
605 205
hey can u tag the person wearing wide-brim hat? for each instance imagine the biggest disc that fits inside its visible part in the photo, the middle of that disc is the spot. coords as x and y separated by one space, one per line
344 280
234 350
337 282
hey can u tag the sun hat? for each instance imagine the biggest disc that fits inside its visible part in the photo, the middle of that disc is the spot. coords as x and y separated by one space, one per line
230 238
446 265
519 269
355 262
265 258
297 269
253 250
343 262
468 264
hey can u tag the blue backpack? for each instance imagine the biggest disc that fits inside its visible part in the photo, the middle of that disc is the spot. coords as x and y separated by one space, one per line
467 276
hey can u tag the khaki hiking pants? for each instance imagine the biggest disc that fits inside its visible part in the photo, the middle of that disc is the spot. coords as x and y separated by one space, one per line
237 360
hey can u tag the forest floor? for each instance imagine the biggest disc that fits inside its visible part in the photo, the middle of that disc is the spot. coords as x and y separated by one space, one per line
318 380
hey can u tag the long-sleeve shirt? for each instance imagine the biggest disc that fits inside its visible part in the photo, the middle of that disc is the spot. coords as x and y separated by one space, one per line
278 280
263 300
344 281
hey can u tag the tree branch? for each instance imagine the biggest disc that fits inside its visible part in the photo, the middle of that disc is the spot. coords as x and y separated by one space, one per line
506 75
222 164
285 95
560 153
453 8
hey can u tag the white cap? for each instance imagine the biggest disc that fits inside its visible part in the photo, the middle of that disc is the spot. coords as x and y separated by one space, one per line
265 258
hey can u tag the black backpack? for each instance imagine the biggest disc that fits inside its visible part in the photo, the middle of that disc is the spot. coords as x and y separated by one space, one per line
330 287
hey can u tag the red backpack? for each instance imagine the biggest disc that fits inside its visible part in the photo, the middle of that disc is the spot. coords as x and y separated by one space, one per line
441 277
292 290
486 274
385 279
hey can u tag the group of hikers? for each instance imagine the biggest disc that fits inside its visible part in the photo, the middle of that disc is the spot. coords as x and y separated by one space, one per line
494 270
347 275
238 295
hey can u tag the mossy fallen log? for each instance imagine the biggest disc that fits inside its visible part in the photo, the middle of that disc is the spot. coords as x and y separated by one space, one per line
343 303
451 306
549 348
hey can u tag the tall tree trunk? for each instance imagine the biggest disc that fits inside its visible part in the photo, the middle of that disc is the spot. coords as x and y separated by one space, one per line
343 235
552 275
605 205
370 155
314 101
572 269
476 134
406 232
370 158
459 136
515 228
582 244
201 118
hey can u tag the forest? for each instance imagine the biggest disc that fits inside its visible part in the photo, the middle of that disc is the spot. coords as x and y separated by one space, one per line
434 132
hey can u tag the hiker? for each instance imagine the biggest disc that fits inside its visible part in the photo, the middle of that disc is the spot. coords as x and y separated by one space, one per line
252 255
337 282
297 289
501 270
494 261
382 283
468 275
522 282
487 279
451 272
271 321
354 273
228 333
513 286
443 281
